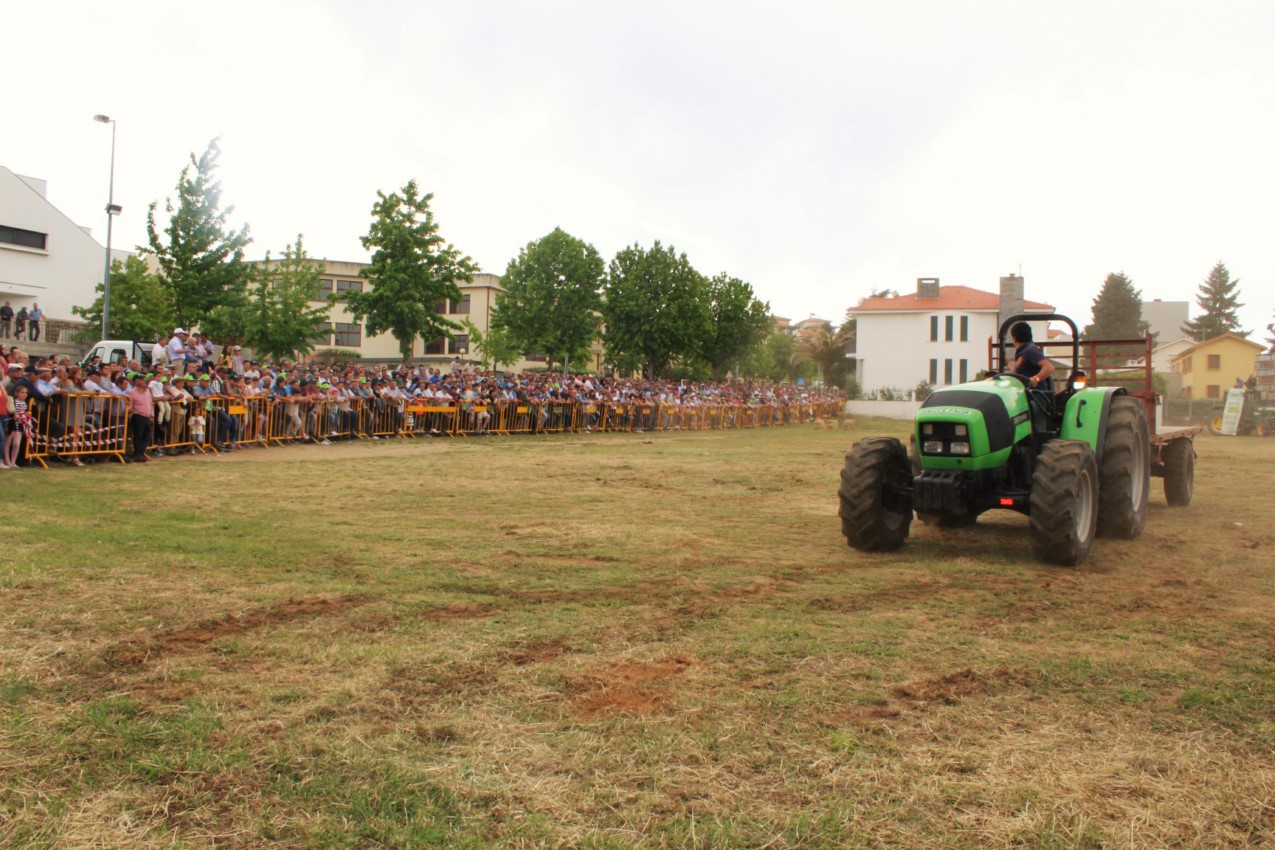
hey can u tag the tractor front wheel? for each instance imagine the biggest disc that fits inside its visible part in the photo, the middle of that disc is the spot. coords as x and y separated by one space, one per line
876 505
1179 472
1126 470
1064 502
1215 421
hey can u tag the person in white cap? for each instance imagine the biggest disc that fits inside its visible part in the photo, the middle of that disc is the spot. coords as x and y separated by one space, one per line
177 349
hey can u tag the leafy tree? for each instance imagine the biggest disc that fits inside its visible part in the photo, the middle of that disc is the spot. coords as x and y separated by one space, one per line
201 262
494 348
552 297
826 348
140 305
281 321
1219 301
739 323
412 269
1270 329
884 293
775 359
1117 311
656 309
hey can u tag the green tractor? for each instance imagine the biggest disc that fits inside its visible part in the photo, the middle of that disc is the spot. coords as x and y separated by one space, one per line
1077 462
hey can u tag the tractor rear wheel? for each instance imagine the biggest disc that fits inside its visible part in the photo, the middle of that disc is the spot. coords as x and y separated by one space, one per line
1215 421
1126 470
1179 472
876 511
1064 502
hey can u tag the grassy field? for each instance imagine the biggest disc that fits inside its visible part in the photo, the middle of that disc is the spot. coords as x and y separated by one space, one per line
616 641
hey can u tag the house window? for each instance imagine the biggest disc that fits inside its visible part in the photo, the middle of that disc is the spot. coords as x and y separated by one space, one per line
934 328
440 307
461 306
965 364
965 331
948 324
1213 391
947 372
460 344
1186 365
436 346
325 286
1215 363
535 358
934 371
322 334
349 286
349 334
23 238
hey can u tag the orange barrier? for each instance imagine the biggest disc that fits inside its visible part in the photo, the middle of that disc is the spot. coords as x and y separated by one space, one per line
86 424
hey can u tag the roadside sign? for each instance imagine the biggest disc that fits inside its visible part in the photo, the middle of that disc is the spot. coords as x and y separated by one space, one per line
1231 413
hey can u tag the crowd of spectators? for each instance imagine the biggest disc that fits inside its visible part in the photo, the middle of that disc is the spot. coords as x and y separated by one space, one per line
185 370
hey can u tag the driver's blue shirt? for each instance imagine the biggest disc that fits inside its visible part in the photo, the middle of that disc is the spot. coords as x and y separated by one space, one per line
1027 360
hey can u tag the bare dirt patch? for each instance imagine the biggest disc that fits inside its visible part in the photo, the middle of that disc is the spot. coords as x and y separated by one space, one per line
630 688
460 611
195 638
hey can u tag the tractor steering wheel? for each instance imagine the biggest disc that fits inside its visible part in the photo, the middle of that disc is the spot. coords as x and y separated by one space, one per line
1026 381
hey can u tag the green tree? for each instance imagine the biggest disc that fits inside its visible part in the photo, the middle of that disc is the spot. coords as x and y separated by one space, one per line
1117 311
1219 300
775 359
826 348
412 269
738 324
494 348
656 309
140 305
201 262
1270 340
281 320
552 297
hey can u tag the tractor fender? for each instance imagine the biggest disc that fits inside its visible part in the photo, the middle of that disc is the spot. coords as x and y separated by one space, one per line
1085 417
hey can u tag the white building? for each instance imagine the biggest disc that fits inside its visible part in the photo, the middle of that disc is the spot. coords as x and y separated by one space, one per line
938 334
1165 318
45 257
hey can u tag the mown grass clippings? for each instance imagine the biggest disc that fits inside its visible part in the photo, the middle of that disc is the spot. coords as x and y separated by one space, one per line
618 643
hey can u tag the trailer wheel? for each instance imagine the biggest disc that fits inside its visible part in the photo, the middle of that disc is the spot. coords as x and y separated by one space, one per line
1064 502
1126 470
876 505
1179 472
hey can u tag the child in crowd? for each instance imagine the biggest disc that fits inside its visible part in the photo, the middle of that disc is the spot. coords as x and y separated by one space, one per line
197 426
23 426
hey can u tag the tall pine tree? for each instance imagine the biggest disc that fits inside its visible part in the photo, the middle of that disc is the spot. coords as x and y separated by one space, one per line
1117 311
1219 300
200 262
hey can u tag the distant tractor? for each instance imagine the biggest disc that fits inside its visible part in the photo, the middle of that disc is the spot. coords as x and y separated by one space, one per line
1253 419
1077 462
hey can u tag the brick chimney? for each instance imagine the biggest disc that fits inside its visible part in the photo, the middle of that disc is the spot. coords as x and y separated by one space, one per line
1011 303
927 287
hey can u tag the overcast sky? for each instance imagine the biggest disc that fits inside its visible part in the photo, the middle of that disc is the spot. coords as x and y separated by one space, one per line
817 150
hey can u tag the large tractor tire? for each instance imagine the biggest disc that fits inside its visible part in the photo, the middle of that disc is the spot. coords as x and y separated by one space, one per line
1179 472
1064 502
1126 470
873 516
1215 421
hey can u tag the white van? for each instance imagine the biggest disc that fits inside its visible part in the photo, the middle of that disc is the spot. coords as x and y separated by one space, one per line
116 350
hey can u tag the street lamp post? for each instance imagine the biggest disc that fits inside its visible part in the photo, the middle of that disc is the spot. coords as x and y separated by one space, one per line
111 211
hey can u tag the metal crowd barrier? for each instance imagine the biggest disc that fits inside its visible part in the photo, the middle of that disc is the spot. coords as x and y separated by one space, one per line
84 424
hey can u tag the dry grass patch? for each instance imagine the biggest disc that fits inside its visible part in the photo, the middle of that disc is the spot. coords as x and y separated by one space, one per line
615 642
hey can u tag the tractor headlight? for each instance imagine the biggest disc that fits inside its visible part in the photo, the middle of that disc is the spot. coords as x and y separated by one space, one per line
932 447
959 448
961 431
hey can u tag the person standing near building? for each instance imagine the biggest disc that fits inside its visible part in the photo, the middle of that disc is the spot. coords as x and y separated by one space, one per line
159 351
6 320
33 322
20 323
141 417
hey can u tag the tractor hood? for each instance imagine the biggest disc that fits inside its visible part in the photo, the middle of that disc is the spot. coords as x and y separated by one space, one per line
972 426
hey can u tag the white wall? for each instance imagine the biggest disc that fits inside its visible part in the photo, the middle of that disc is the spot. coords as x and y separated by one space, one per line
894 349
62 276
